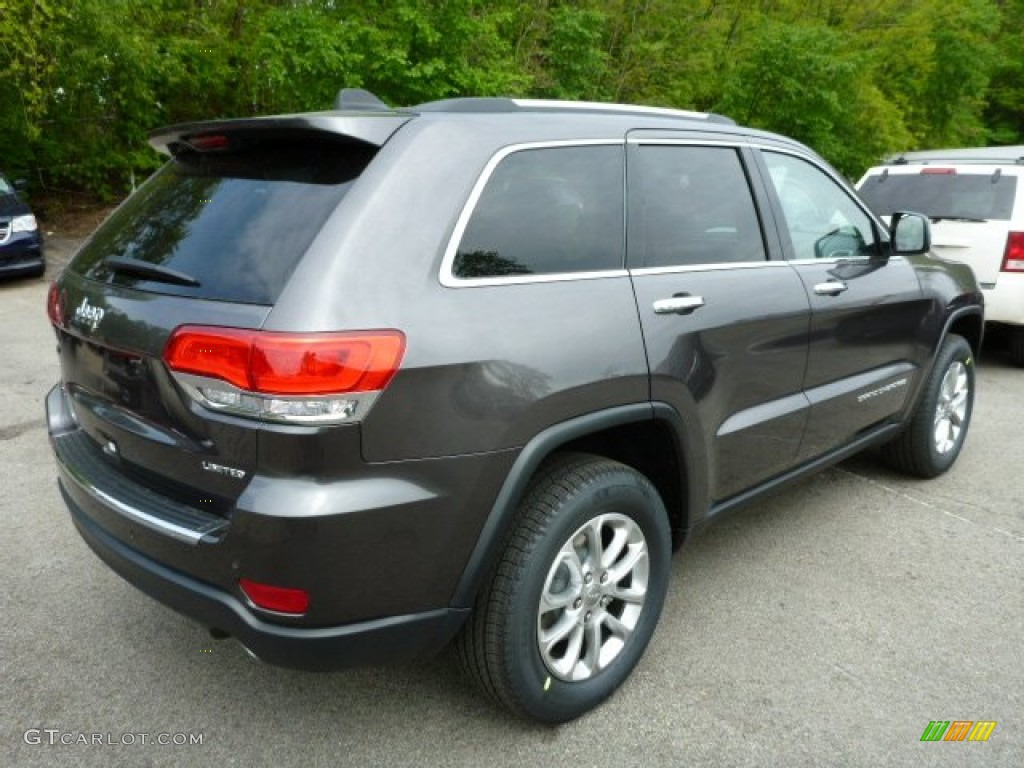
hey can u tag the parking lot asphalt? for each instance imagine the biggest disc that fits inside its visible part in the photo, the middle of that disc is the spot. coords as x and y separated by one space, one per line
826 626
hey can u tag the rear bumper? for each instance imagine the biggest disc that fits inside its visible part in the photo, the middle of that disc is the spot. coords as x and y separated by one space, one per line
379 554
1005 302
370 642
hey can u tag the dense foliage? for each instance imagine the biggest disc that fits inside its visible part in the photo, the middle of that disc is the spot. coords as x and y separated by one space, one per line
84 80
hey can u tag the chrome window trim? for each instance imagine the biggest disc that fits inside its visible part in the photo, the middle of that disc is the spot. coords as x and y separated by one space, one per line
447 276
448 279
710 267
737 142
844 260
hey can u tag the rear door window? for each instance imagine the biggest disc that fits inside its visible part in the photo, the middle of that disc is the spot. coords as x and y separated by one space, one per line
942 194
236 222
691 205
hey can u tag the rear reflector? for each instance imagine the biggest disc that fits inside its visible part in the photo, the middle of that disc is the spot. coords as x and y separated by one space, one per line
55 306
285 363
939 171
277 599
1013 259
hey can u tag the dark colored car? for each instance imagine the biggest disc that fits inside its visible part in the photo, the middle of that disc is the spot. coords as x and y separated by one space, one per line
21 244
350 385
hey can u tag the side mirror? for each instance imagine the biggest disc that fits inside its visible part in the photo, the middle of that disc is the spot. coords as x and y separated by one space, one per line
911 233
20 185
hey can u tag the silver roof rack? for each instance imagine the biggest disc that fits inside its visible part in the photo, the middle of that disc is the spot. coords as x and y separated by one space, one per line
499 104
1012 155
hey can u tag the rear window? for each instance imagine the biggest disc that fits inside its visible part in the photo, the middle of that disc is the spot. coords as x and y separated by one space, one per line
942 195
236 221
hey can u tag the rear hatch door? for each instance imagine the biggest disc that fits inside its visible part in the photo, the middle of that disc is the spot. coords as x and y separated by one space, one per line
210 239
971 209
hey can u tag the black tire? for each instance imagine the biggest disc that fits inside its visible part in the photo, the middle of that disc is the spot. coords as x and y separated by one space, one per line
936 432
1016 346
500 645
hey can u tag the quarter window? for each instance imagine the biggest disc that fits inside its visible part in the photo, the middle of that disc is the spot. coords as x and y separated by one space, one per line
823 220
547 211
691 205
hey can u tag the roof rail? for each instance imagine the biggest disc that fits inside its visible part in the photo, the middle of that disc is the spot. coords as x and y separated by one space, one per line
499 104
1012 155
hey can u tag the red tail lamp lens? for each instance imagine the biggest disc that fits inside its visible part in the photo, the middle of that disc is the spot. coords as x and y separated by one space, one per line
54 306
311 365
287 363
1013 259
220 353
279 599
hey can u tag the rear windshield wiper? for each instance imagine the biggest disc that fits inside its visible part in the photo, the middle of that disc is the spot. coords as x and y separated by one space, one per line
969 219
126 266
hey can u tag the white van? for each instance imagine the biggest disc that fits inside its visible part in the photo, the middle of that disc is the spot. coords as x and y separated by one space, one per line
974 200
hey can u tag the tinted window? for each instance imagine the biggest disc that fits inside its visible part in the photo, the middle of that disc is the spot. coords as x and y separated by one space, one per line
823 220
546 211
942 195
237 221
691 205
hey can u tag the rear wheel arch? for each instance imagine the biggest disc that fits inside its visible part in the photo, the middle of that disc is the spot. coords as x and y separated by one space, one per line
648 437
582 574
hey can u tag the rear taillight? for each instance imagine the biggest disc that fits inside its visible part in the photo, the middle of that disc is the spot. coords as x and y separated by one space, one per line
55 306
1013 259
296 377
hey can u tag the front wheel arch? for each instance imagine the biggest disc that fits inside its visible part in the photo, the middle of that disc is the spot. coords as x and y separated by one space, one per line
938 425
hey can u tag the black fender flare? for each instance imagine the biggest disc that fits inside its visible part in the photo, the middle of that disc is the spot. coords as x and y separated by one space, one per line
488 546
954 316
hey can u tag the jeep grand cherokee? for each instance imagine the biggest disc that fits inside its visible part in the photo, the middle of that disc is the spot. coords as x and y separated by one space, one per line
350 385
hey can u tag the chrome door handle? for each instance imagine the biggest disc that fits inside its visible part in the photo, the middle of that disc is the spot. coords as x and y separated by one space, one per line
678 305
831 288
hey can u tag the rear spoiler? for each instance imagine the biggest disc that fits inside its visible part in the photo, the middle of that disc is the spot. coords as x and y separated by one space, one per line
373 127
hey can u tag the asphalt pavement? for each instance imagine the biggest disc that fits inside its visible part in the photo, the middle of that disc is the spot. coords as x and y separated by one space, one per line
826 626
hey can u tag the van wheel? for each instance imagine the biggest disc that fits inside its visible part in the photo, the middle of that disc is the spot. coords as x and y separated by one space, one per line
576 593
936 432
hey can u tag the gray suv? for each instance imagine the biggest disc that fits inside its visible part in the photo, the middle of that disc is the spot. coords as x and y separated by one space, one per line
351 385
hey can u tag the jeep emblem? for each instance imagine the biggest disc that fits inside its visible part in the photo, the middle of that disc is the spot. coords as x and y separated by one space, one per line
88 315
